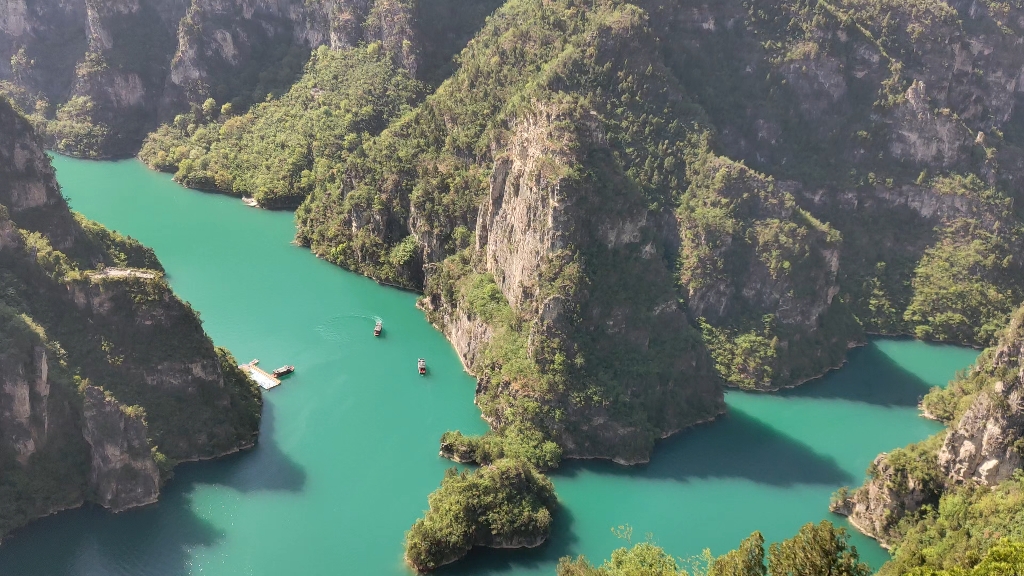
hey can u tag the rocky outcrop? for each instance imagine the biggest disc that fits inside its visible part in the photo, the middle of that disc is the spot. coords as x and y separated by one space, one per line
106 71
89 419
528 226
529 214
890 493
217 38
28 186
923 136
122 472
764 270
470 336
986 445
24 413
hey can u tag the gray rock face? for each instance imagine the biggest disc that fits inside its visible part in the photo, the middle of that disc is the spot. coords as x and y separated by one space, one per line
877 506
125 64
24 394
987 444
218 36
121 328
923 136
122 473
28 185
527 216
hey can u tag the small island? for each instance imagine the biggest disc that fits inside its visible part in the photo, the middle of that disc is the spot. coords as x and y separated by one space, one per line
507 504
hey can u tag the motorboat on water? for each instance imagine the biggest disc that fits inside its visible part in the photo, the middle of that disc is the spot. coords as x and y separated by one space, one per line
288 369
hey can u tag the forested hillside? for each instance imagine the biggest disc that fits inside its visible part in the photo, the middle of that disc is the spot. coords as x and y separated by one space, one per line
107 380
611 207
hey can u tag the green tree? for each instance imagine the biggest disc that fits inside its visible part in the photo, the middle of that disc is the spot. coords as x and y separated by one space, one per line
1003 559
816 550
644 559
209 107
747 560
21 64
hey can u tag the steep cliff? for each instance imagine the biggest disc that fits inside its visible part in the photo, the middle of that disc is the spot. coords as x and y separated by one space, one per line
106 378
221 43
98 75
871 114
899 484
942 502
122 472
986 443
761 276
513 197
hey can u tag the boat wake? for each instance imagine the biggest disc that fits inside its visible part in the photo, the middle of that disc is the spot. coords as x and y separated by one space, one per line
339 328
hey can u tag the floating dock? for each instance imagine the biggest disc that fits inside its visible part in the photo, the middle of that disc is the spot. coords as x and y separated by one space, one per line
265 380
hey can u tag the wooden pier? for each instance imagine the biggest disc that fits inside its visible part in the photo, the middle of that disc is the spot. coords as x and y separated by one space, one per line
264 379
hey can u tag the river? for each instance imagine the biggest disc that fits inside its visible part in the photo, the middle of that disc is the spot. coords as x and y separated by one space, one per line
348 447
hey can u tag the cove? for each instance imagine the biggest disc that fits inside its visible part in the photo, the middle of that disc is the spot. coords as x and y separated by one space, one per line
348 447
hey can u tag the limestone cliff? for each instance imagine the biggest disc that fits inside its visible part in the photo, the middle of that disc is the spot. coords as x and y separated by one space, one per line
218 39
100 74
99 361
983 447
986 445
872 102
567 302
899 484
122 472
761 276
542 255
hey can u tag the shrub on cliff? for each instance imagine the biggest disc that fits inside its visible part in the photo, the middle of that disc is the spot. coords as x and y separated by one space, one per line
506 504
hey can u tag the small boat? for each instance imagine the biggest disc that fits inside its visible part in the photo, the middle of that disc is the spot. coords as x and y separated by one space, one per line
250 201
283 370
378 328
422 365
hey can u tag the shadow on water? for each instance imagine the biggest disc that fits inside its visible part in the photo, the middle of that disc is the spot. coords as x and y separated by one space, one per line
870 376
736 445
156 539
267 468
493 561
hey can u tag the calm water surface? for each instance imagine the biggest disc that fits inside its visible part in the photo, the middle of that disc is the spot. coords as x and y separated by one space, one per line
348 450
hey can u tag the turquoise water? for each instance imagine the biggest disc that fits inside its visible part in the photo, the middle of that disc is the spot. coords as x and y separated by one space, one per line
348 448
